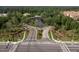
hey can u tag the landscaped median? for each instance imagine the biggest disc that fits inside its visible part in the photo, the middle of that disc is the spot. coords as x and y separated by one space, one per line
50 36
64 36
39 34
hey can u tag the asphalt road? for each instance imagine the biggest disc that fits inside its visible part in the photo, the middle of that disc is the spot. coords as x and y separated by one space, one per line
31 44
73 47
44 45
5 47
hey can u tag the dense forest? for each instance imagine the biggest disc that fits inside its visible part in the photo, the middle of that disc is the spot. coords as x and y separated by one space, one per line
52 16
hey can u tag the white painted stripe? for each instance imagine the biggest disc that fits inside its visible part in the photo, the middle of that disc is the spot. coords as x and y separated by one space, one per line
64 47
13 48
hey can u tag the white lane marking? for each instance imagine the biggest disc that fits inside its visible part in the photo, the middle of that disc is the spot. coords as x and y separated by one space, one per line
67 47
64 47
38 43
13 48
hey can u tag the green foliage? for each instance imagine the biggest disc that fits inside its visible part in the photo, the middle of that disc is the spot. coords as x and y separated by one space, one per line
51 17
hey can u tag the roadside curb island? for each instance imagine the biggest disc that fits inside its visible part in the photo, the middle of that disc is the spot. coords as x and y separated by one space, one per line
60 40
15 42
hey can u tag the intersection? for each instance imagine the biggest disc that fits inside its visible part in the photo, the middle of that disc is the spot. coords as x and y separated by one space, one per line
32 44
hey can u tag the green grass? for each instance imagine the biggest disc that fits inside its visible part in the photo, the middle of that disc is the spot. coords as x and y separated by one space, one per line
49 33
39 34
65 35
13 35
9 37
15 38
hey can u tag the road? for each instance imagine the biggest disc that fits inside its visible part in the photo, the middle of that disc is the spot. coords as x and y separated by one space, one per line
5 47
31 44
